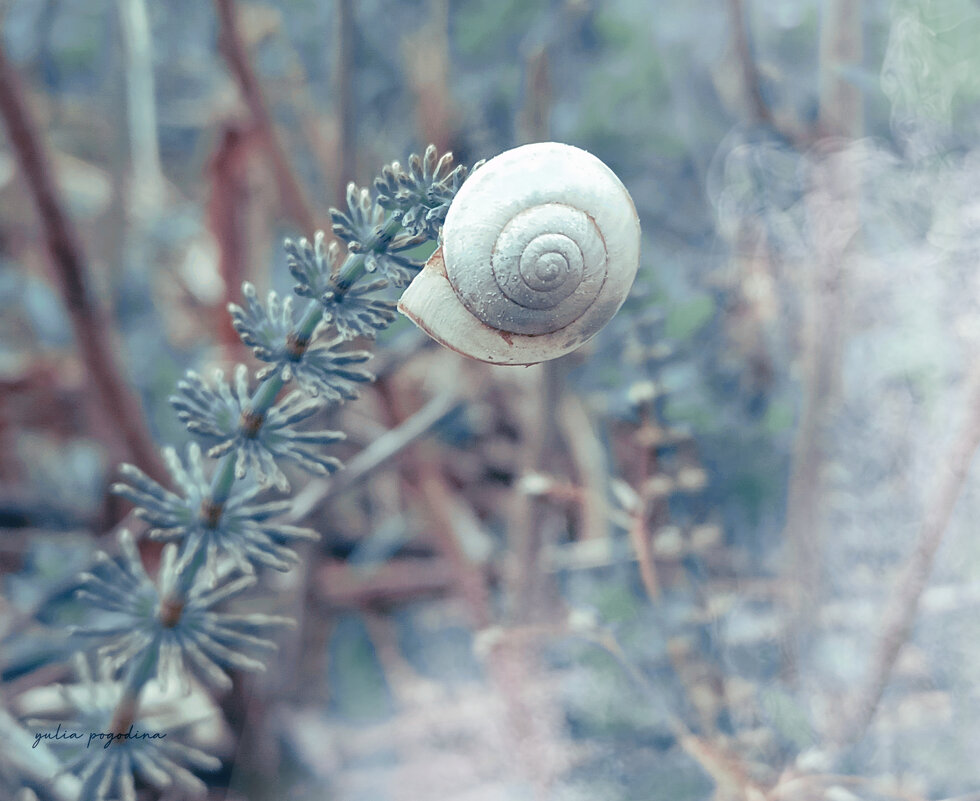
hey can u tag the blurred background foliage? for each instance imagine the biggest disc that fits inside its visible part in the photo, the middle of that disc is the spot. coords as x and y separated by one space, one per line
660 568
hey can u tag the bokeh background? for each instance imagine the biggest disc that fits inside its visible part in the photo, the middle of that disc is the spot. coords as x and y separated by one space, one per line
726 551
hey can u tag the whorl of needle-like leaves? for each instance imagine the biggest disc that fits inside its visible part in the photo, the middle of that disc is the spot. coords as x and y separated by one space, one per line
171 626
321 369
362 227
242 528
108 768
422 193
141 621
223 417
355 312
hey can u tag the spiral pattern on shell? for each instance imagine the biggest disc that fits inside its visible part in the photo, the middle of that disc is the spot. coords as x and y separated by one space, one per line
533 236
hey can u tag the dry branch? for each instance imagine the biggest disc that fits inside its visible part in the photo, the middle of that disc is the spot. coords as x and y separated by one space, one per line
227 209
375 456
233 49
841 112
750 74
117 407
903 604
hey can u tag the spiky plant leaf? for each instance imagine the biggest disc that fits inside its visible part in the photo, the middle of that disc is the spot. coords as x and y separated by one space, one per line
242 529
363 227
422 193
223 417
145 622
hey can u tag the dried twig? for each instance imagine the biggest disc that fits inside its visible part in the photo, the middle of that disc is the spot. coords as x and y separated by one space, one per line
832 209
639 532
903 605
471 580
425 56
589 458
750 75
376 455
339 584
444 511
534 116
724 767
840 45
524 521
235 53
228 205
115 403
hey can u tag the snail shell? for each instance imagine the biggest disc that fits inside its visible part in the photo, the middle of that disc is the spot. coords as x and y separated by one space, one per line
540 249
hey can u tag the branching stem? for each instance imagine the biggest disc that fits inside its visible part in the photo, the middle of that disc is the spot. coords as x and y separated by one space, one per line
213 506
223 481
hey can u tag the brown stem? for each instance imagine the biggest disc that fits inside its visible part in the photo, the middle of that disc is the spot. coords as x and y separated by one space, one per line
470 578
834 223
227 209
750 75
903 605
338 585
588 457
525 587
235 53
114 401
378 454
840 46
535 115
639 532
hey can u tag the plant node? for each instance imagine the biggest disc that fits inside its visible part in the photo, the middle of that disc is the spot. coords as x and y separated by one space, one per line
251 423
171 609
211 513
296 346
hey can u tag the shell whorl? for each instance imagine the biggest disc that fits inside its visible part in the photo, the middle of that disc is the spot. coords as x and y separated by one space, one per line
539 237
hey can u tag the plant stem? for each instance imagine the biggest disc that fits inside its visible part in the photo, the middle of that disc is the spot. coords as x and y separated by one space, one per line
841 101
265 395
115 404
124 715
233 48
184 583
900 613
832 204
223 479
750 73
353 268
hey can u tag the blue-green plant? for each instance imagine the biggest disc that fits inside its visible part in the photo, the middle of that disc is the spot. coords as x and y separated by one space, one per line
222 518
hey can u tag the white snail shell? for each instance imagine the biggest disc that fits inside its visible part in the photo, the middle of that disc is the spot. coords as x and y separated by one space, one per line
540 248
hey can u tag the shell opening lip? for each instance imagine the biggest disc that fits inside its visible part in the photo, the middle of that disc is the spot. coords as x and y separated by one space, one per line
430 303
